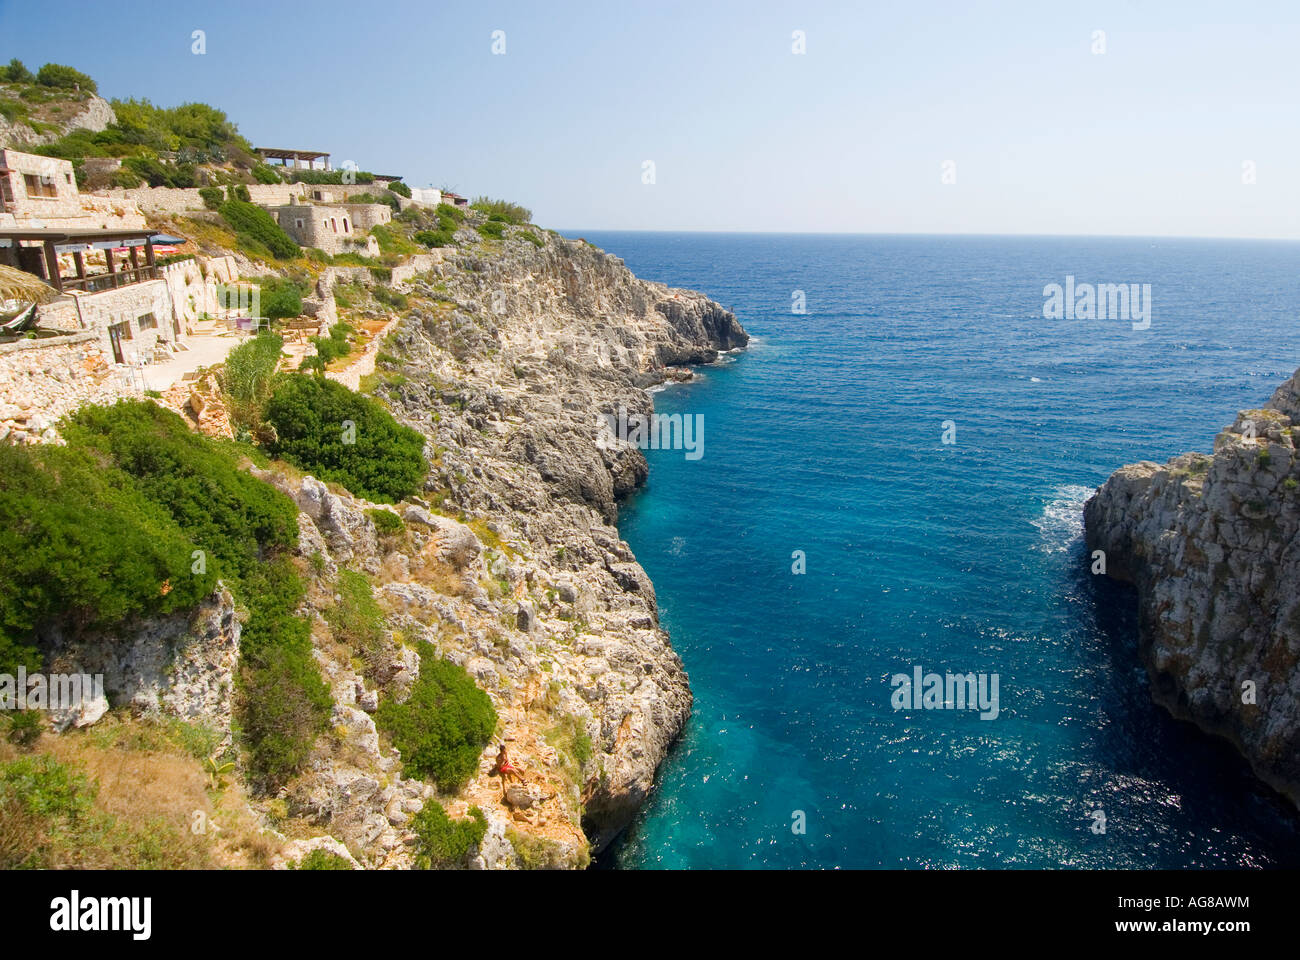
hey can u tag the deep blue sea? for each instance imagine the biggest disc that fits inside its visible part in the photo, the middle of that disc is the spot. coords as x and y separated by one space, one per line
824 436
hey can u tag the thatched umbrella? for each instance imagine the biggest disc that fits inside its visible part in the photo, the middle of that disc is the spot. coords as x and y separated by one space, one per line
24 287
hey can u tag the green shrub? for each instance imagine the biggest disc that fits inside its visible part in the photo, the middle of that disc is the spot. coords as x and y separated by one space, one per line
64 78
265 173
124 179
213 198
237 191
317 177
25 727
332 346
15 111
444 842
45 787
433 238
16 72
390 297
503 210
387 523
444 724
231 515
280 298
493 228
247 375
245 528
158 174
355 619
81 539
283 703
252 222
321 859
400 188
530 237
375 457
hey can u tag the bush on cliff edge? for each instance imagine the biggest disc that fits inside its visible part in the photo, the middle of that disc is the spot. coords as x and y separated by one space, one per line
444 724
339 435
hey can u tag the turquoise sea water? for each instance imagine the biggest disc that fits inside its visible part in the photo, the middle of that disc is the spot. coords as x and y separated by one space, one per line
825 437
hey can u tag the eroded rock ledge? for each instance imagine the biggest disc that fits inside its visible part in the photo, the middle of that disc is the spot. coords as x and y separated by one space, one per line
1211 544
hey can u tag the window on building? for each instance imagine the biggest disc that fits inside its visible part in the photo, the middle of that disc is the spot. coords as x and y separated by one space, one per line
38 186
334 225
298 222
345 225
147 322
6 192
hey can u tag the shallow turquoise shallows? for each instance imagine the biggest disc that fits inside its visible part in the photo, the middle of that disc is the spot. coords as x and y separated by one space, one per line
825 437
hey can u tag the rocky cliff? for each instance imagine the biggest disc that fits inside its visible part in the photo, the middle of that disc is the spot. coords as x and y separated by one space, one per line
506 358
76 112
1211 544
504 354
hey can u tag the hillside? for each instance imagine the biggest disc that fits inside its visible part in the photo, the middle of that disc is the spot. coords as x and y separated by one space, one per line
376 612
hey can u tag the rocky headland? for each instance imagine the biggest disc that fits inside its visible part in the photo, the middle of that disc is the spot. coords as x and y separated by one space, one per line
1210 543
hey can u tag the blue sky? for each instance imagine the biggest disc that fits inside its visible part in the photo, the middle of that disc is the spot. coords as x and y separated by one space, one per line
1148 138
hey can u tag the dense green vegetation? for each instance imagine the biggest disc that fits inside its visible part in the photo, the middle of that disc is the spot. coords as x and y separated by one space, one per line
387 523
257 229
339 435
437 226
16 72
317 177
356 619
320 859
330 347
400 188
190 132
81 539
444 724
246 378
444 842
213 197
502 211
65 78
283 702
280 297
138 515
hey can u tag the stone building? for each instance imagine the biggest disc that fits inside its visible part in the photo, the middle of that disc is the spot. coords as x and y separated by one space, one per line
42 191
334 228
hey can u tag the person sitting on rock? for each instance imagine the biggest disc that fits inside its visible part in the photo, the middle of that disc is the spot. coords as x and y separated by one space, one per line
506 770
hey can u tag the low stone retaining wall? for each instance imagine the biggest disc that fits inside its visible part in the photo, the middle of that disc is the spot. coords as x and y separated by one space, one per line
42 380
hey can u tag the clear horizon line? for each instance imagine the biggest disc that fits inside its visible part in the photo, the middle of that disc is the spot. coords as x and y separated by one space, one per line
918 233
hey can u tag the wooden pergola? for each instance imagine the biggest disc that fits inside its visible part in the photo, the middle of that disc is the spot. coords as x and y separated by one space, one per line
50 240
297 156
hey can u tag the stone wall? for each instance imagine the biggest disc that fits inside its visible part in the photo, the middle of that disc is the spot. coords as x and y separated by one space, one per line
41 380
416 265
192 287
179 200
364 365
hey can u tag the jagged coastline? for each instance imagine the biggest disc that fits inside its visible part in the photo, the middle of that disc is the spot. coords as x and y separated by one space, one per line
1210 543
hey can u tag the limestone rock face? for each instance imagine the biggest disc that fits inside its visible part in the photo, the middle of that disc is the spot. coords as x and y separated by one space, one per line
180 665
509 564
93 114
1211 544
